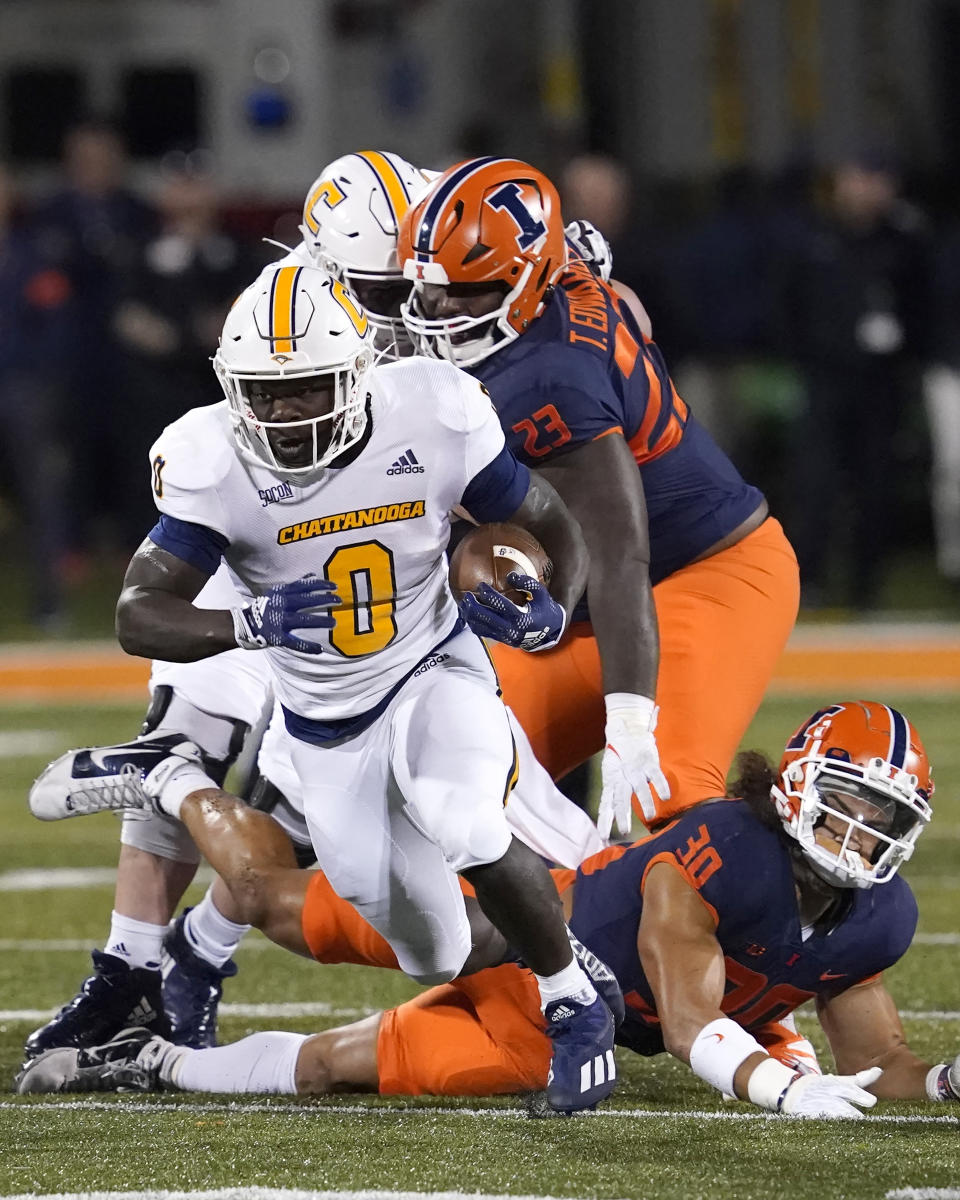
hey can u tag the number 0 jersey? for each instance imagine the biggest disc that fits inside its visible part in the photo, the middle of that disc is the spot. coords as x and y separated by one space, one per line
377 526
742 871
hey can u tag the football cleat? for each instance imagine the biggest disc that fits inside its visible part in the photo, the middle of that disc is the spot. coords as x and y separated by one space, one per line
114 997
108 778
192 988
112 1067
602 978
583 1070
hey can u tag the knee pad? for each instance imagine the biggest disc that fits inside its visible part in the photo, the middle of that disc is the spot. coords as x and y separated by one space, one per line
220 738
471 837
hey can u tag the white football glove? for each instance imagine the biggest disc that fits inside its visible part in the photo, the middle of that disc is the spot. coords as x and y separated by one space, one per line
835 1097
631 762
587 244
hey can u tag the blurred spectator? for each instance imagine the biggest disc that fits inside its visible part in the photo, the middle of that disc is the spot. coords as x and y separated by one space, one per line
35 328
853 315
94 225
720 290
942 399
596 187
172 303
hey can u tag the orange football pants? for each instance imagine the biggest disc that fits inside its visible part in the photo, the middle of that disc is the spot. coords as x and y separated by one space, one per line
723 623
481 1035
478 1036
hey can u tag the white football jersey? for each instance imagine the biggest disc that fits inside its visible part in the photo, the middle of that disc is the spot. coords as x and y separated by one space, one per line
377 527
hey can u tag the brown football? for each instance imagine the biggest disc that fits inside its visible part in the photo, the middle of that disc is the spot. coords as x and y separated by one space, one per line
489 553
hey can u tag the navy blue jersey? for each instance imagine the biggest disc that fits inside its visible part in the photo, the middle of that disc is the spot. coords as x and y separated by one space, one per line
742 873
584 370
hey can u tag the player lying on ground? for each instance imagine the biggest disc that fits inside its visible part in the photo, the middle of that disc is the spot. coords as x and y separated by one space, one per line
718 927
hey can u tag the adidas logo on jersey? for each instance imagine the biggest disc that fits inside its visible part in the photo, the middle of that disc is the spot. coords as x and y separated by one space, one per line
406 464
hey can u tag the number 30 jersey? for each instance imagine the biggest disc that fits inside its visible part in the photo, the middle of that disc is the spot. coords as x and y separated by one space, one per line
743 873
377 526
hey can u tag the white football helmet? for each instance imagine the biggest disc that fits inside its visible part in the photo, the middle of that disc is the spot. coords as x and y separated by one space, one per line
296 322
854 790
351 217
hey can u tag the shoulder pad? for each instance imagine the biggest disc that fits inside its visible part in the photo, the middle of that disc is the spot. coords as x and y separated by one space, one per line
197 449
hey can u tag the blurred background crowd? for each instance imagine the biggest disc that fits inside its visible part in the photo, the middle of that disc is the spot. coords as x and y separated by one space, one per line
802 269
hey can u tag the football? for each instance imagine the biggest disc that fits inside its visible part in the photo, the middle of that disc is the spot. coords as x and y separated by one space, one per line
489 553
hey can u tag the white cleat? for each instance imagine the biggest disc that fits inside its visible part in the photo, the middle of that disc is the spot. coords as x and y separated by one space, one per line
107 778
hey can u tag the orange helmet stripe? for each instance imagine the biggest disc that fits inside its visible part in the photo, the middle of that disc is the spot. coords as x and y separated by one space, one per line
389 179
282 305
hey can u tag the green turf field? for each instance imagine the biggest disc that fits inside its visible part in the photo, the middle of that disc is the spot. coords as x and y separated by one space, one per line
664 1134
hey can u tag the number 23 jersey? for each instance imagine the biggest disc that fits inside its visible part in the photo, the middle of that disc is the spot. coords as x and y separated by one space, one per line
376 526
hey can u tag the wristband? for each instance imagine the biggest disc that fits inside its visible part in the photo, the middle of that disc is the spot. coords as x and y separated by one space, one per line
243 631
629 704
769 1082
718 1050
938 1085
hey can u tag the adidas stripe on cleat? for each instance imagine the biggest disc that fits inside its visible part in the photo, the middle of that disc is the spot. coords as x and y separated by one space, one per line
114 997
583 1070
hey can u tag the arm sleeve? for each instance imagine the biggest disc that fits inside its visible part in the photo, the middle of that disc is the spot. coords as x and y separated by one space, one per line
198 545
497 490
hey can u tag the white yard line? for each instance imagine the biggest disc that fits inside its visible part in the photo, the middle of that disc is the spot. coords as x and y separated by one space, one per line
923 1193
25 743
153 1108
41 879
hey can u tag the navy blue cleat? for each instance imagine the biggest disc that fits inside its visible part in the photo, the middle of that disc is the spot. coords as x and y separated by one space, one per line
602 978
192 988
108 778
583 1070
113 998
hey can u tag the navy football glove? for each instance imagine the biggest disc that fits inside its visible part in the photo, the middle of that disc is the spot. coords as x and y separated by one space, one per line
537 626
271 619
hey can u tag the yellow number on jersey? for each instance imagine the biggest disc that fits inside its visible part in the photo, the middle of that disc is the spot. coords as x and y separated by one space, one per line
364 623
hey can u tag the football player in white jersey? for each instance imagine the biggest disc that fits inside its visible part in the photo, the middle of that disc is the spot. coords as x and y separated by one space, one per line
350 219
389 700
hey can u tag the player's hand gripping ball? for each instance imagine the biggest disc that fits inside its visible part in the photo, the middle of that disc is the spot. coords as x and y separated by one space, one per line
489 553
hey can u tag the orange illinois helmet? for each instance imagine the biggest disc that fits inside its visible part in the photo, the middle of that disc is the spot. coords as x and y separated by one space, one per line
489 221
854 791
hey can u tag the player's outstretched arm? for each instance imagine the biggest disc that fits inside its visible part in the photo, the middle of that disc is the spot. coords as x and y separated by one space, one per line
864 1030
684 965
601 486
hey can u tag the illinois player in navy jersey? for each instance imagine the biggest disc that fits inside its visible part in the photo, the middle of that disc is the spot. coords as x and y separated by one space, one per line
718 926
693 587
